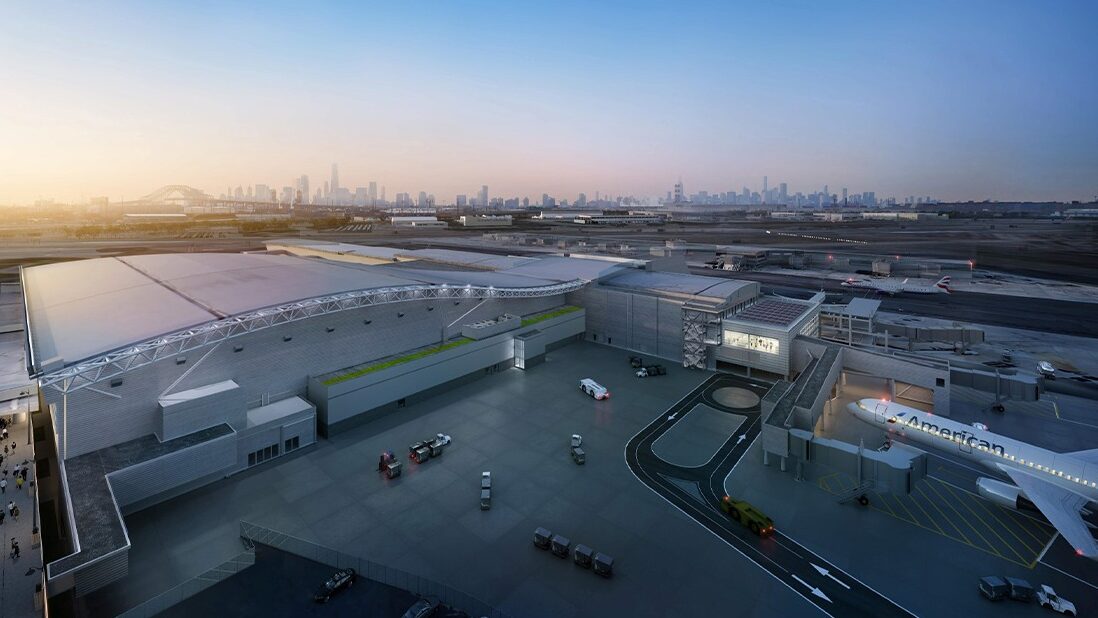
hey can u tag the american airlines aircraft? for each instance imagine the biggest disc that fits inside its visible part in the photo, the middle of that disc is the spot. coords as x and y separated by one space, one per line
1059 485
893 287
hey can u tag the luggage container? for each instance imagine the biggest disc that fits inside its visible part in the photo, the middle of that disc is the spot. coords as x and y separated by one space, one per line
435 448
485 499
421 454
485 480
994 588
582 555
542 538
1021 590
393 469
560 545
603 564
579 456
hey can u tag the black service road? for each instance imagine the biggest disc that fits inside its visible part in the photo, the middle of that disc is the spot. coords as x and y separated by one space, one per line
697 492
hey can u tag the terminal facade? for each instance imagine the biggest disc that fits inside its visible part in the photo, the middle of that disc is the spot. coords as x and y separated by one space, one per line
159 374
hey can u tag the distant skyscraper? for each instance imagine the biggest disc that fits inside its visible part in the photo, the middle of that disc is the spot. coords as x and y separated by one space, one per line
327 189
844 196
262 193
766 185
372 191
678 197
303 187
482 197
422 201
334 187
783 192
461 201
581 201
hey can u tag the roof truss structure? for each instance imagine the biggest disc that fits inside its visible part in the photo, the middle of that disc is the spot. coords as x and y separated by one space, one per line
112 364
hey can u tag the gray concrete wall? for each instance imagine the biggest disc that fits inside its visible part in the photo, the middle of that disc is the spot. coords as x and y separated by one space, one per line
179 418
98 574
268 367
337 403
638 322
925 374
151 478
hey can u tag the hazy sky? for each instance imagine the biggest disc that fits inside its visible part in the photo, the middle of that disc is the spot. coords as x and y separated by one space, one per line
959 100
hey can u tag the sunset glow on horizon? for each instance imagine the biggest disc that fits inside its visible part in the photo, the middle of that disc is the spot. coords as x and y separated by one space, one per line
943 99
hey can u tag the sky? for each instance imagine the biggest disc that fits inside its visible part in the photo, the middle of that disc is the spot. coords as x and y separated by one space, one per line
956 100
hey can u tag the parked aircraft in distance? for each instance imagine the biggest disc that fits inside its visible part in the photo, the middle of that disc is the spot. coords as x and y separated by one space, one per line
893 287
1059 485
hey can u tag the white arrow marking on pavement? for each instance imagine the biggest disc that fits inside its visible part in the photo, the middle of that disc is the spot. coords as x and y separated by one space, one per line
816 591
742 437
671 417
826 573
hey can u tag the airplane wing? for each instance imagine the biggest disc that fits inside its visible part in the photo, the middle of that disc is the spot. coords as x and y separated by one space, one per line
1060 506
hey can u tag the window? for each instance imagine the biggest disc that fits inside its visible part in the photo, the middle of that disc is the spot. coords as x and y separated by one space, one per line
939 381
402 402
292 444
251 459
748 341
263 455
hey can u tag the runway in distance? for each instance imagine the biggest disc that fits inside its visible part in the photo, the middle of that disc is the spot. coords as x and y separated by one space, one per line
1059 485
893 287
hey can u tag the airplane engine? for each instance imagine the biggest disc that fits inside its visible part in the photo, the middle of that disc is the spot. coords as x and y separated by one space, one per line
1003 494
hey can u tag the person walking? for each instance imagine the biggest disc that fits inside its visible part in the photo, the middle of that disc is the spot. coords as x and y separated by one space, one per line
18 482
3 486
14 549
23 473
11 506
2 516
15 514
4 433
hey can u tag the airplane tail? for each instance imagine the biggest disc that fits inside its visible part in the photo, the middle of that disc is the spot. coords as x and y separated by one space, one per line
943 283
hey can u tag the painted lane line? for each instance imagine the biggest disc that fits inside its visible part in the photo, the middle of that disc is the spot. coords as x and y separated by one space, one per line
816 591
826 573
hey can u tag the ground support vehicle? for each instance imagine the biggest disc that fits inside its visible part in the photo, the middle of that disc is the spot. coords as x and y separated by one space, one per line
594 389
742 511
651 370
344 578
1048 599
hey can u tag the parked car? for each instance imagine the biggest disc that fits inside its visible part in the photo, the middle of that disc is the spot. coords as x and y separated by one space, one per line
1046 370
594 389
341 579
422 608
994 588
1048 599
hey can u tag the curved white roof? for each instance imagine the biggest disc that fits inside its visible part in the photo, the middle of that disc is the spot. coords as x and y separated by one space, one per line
81 309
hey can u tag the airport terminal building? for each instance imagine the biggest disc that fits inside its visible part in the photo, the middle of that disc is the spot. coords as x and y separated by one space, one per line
162 373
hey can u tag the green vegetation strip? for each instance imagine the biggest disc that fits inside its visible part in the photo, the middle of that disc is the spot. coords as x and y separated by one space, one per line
392 362
548 316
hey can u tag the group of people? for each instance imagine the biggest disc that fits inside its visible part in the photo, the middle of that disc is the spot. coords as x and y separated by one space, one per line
18 476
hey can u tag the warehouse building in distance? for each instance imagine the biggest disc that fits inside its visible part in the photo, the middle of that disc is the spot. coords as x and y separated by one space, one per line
162 373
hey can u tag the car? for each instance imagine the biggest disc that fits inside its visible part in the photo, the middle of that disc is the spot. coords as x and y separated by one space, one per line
344 578
1048 599
1046 370
594 389
422 608
743 512
980 426
993 587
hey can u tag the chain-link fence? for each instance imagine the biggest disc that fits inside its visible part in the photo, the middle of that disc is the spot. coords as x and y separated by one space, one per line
191 587
253 533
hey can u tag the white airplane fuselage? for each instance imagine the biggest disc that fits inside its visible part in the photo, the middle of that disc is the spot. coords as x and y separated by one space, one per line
891 286
984 447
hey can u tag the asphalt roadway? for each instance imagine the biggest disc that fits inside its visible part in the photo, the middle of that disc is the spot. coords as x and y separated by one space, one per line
1057 316
697 493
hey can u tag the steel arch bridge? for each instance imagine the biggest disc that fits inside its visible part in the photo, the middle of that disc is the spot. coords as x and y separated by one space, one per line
176 193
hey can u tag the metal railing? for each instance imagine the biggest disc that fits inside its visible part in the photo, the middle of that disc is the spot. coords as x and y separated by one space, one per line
253 533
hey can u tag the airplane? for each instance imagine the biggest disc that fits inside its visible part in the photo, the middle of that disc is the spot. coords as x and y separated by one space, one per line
893 287
1059 485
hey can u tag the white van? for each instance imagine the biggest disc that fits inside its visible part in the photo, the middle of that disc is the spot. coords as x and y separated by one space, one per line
594 389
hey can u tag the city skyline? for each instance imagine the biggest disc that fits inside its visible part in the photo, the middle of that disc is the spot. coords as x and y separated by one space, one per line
558 101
